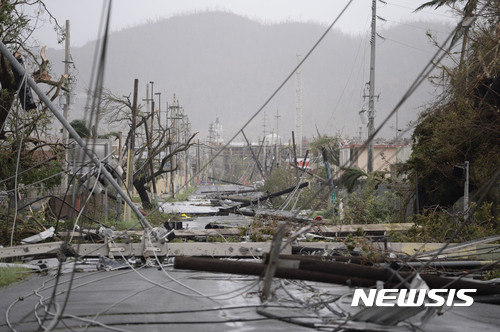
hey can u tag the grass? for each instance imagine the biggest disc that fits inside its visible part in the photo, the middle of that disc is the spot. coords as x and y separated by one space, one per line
183 196
136 199
133 223
9 275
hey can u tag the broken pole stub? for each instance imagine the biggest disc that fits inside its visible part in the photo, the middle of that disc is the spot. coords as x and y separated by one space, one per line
273 261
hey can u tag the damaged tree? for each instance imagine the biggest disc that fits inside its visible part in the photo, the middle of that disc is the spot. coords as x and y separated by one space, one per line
22 122
161 146
27 155
464 124
15 30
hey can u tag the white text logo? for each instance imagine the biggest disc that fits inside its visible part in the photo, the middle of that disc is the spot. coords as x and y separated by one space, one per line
413 297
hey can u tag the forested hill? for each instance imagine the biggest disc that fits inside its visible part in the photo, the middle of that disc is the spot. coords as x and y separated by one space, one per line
221 64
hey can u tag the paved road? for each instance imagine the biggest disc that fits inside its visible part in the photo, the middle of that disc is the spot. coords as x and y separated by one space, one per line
143 300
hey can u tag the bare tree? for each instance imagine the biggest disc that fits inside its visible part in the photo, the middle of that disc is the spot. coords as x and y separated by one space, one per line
162 148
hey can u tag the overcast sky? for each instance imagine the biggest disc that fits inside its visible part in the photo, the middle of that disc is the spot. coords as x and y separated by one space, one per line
85 15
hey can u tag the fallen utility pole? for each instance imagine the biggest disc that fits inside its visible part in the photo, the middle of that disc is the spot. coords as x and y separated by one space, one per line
229 182
144 249
258 155
279 193
43 97
259 166
310 173
330 272
272 262
265 198
266 213
259 269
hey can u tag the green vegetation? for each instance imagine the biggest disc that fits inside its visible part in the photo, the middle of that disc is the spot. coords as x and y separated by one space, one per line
9 275
464 124
369 207
81 128
262 230
493 274
330 144
438 225
282 178
182 196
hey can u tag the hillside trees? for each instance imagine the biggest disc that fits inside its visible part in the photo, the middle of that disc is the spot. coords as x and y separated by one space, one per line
464 124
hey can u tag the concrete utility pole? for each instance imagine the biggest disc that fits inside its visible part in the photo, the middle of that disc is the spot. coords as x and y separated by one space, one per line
264 155
277 116
159 108
67 60
174 130
152 108
298 105
149 138
187 132
371 98
277 143
153 180
466 187
131 150
198 162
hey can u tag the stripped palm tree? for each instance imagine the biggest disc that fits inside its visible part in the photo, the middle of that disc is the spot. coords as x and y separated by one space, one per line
465 24
350 176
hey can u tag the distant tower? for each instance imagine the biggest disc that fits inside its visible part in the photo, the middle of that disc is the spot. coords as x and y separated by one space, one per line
264 124
298 105
215 134
211 137
218 133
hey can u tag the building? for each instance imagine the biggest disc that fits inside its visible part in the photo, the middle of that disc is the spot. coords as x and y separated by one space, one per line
215 133
384 155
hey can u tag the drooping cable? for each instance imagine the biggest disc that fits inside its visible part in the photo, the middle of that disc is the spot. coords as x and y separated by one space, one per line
268 100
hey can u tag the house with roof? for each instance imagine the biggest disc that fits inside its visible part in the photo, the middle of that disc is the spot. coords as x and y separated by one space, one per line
385 154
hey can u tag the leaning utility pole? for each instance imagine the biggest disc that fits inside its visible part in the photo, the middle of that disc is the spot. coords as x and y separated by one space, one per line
371 97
